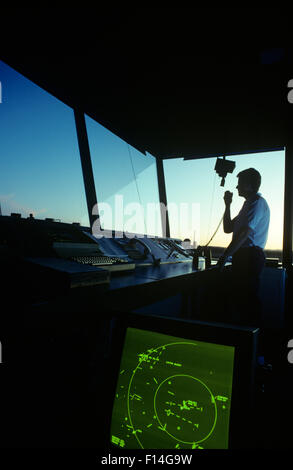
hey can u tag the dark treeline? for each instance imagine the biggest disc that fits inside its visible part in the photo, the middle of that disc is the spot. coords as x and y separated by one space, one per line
218 250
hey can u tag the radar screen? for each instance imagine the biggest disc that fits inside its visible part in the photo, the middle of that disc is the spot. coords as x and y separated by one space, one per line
172 393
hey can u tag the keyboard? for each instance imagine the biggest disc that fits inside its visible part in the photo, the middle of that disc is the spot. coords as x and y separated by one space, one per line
111 263
99 260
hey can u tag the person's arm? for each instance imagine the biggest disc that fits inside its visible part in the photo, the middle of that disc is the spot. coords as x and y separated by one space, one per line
228 224
227 221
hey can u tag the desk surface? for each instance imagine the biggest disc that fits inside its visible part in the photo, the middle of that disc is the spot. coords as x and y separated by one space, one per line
149 274
128 290
149 284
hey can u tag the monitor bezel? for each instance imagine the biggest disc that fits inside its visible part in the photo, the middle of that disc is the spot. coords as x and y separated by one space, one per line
243 339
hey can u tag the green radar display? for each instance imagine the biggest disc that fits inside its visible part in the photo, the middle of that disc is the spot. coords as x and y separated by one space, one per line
172 393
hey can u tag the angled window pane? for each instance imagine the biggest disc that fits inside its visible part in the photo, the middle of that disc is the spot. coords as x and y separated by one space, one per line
40 164
125 181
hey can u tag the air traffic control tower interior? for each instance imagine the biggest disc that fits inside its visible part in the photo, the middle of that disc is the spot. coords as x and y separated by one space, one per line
121 131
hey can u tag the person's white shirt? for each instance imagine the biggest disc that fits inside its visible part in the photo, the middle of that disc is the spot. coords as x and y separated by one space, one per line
255 214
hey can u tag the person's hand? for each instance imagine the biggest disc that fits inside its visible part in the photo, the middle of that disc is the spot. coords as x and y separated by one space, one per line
228 197
221 263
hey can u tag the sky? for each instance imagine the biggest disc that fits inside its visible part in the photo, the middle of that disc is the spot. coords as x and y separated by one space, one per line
40 173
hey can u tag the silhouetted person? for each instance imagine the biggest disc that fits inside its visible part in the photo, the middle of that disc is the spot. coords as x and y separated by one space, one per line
250 232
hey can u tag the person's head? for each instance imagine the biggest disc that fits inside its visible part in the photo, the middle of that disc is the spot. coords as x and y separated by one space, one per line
248 182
